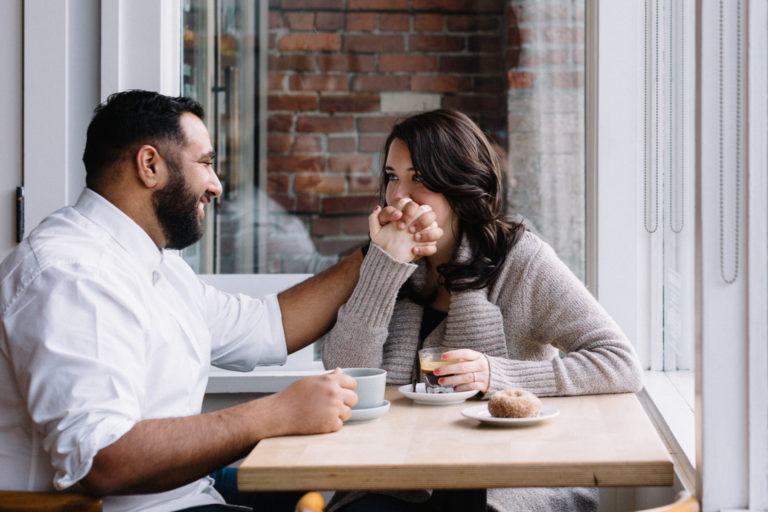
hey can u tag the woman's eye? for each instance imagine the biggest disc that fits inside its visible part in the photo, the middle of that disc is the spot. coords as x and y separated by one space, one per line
417 178
391 177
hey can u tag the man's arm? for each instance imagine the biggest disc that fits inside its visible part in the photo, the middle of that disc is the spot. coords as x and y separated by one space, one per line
162 454
309 308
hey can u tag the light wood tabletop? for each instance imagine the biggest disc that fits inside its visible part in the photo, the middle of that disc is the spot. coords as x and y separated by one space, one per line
599 440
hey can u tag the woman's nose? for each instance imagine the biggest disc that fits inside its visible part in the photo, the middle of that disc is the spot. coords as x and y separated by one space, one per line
401 191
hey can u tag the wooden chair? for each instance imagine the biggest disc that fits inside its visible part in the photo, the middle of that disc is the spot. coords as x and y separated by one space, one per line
26 501
685 502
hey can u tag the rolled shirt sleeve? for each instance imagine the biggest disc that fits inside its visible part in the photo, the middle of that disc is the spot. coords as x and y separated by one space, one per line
82 383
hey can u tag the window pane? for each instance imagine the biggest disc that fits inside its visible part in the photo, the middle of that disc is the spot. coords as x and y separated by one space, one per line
335 82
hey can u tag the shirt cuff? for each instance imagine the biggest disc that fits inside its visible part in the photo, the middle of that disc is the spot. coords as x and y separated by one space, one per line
277 351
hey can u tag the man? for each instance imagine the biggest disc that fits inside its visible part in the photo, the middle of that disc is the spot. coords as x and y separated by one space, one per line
106 337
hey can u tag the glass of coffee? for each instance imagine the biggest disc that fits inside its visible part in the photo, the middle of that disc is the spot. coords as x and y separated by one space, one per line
429 359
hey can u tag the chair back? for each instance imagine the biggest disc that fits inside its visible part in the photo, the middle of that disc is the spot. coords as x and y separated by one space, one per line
28 501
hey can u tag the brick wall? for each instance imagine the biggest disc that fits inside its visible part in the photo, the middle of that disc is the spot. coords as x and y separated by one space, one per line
341 72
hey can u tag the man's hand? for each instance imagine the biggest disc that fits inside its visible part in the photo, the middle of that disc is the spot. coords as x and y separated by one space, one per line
317 404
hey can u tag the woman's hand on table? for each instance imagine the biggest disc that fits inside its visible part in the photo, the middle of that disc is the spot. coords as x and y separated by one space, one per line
406 231
473 372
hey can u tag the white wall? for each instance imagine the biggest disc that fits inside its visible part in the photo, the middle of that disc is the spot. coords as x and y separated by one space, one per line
10 120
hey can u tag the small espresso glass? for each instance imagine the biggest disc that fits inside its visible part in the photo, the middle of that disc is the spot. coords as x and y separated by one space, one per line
429 359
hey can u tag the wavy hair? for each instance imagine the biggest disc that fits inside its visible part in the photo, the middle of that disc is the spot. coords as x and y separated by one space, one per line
455 159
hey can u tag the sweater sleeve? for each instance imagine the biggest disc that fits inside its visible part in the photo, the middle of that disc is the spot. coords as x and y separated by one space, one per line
357 339
552 307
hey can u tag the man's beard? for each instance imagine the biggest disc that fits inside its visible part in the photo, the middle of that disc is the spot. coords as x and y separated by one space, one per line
176 210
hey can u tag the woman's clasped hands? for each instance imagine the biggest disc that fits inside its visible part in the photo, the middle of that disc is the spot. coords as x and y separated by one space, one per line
472 372
405 241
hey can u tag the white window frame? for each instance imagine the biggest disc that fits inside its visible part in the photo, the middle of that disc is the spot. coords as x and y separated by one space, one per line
731 377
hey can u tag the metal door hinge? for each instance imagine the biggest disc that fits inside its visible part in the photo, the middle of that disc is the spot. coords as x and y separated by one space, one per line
19 214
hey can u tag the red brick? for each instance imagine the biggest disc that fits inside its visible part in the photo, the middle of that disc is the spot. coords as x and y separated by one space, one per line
275 81
475 103
326 226
320 184
350 163
312 4
377 5
377 124
292 102
330 20
578 56
427 22
381 83
295 163
436 43
361 21
325 124
346 62
279 122
272 41
356 225
278 142
372 143
407 62
567 80
299 20
490 84
310 42
349 204
470 23
373 43
458 5
307 144
296 62
275 19
476 64
520 79
440 83
485 44
350 103
394 22
341 144
319 83
368 184
562 34
306 203
277 184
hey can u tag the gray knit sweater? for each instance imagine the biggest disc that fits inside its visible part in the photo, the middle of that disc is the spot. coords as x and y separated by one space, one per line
536 307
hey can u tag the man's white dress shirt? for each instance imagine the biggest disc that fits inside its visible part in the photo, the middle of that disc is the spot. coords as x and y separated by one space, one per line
99 330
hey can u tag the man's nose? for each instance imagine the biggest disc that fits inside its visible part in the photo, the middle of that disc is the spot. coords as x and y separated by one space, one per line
214 186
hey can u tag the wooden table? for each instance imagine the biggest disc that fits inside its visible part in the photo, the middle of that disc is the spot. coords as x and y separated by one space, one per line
601 440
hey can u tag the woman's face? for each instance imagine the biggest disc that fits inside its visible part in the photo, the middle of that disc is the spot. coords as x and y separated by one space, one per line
405 182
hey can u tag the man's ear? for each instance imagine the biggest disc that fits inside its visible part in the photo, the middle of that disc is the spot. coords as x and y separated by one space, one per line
150 167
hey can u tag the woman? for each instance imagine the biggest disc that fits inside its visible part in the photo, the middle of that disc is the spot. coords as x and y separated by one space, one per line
493 290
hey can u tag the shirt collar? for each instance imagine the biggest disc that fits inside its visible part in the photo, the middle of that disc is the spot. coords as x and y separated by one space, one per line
120 227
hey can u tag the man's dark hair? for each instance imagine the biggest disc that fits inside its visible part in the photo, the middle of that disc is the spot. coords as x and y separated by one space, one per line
129 119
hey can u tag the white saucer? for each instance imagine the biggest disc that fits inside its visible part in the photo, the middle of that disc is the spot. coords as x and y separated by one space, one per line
480 413
422 397
361 415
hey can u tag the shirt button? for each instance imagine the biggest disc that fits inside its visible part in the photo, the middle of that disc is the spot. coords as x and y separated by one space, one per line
155 277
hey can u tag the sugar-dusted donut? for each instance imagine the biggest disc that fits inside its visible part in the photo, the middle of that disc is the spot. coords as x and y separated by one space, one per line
514 403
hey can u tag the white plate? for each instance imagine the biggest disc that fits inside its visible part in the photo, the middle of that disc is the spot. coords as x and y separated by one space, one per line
480 413
422 397
361 415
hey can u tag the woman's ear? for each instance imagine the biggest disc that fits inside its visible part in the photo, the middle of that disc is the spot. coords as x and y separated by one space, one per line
150 167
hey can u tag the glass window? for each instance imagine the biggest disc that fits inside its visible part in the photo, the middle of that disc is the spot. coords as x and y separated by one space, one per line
300 100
